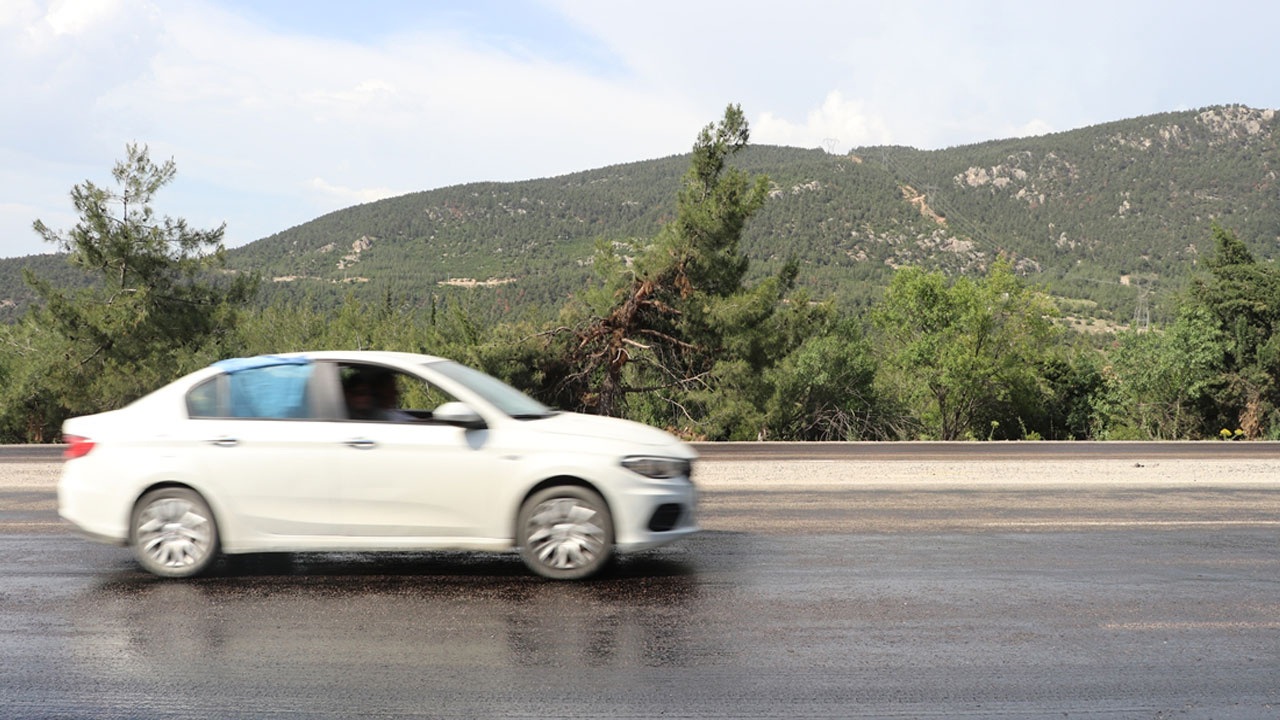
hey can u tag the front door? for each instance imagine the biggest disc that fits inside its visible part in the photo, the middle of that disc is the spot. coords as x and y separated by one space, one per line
403 475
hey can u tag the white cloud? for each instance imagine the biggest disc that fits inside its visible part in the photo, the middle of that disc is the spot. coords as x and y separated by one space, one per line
350 196
17 14
841 123
313 123
20 217
1033 128
74 17
419 111
272 127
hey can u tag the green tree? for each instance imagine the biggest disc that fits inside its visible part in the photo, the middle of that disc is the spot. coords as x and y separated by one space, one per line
824 390
1073 381
950 351
1164 384
668 313
30 409
157 308
1242 297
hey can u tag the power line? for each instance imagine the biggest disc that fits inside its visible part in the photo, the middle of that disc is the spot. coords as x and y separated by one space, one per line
1144 284
973 230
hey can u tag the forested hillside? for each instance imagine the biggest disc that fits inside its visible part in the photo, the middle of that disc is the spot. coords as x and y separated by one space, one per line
15 295
735 293
1121 202
1097 215
1082 212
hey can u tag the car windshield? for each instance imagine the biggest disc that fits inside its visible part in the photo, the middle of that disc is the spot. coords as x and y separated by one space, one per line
499 394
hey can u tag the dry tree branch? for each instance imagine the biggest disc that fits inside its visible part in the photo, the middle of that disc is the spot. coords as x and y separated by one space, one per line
682 381
683 409
668 338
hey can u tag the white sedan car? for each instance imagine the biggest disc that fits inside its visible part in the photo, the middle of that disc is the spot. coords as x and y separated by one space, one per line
367 451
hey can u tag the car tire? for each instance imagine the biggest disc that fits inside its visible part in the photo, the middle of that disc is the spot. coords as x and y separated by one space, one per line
173 533
565 532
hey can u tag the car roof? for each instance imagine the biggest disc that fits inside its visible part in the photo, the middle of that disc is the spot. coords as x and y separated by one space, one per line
183 384
370 356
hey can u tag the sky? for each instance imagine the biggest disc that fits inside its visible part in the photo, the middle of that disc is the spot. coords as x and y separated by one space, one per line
277 112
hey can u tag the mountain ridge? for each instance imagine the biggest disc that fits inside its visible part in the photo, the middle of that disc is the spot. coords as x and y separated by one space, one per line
1075 211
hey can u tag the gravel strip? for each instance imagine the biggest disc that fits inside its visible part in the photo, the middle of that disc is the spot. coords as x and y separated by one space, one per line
29 476
907 475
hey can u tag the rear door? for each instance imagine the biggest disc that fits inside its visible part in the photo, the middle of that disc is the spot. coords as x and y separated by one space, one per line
264 444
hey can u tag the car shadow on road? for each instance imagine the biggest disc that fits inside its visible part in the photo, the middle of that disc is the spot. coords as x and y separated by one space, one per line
279 571
435 564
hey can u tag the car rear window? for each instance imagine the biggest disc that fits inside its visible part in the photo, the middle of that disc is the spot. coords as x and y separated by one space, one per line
275 392
202 400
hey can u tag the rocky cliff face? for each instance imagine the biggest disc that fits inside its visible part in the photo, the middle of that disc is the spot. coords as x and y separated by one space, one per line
1237 121
1033 178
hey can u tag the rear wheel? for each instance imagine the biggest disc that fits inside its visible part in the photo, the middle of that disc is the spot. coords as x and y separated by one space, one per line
173 533
565 533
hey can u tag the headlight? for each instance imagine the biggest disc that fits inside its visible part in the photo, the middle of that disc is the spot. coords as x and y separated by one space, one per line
659 468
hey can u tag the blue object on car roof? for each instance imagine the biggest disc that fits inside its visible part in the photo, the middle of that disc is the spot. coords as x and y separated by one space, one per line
268 386
235 365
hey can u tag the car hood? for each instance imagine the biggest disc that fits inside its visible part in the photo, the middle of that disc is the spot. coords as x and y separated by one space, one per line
607 428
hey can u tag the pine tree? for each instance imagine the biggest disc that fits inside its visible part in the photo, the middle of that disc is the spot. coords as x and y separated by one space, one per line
157 303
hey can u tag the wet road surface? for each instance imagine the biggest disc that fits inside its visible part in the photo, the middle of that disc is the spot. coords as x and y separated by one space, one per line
978 602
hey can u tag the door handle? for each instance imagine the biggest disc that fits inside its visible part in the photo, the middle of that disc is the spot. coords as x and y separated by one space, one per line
362 444
224 441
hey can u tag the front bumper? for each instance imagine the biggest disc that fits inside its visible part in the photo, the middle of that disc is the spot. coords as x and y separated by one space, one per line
656 514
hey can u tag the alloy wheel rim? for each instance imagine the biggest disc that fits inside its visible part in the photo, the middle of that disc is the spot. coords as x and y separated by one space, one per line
173 533
563 533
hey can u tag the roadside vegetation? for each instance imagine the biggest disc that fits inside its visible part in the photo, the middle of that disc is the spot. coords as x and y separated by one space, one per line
673 330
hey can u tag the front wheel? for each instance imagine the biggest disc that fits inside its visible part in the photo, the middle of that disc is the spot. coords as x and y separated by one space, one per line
173 533
565 533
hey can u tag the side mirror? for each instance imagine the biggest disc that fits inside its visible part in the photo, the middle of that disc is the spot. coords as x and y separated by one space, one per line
460 414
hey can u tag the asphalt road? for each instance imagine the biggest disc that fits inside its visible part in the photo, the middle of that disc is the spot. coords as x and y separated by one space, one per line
1103 598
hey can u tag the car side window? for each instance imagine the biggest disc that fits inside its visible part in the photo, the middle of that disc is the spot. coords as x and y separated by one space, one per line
203 399
373 393
274 392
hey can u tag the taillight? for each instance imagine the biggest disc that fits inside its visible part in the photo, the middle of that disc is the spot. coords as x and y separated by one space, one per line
77 446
